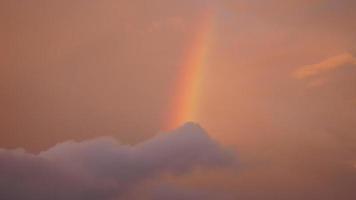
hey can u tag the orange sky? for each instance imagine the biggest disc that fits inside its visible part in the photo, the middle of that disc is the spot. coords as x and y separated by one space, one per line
190 77
277 84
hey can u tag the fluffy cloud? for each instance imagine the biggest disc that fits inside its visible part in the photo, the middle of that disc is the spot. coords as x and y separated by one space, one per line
102 168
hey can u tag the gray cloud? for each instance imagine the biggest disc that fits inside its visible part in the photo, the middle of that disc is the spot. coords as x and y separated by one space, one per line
173 192
102 168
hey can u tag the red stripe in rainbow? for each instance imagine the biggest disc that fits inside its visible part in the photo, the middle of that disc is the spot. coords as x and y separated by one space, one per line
185 100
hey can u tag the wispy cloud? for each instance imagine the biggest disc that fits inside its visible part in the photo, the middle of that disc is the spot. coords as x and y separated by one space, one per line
327 65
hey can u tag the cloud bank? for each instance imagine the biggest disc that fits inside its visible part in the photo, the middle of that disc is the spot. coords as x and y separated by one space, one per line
102 168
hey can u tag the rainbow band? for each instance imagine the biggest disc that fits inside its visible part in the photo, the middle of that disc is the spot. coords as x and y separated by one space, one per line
188 89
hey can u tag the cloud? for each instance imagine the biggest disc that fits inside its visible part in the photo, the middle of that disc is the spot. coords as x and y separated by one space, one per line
102 168
327 65
172 192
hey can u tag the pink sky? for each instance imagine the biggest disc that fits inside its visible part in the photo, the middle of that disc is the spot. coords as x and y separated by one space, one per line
278 86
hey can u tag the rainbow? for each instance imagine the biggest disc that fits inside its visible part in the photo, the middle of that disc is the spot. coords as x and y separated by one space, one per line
188 89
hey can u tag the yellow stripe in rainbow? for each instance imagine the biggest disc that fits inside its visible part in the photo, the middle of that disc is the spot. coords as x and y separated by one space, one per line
188 89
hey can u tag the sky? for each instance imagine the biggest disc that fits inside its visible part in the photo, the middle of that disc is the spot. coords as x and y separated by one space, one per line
98 98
